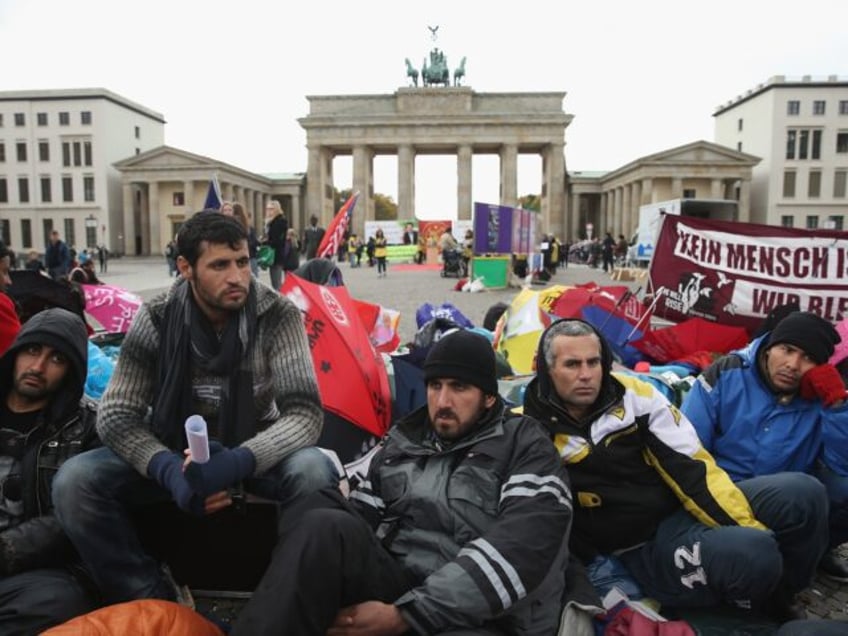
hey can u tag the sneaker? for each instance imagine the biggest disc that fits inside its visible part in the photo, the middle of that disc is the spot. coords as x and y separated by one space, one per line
834 566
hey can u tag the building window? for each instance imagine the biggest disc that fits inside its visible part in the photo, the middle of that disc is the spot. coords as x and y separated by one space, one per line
77 154
5 232
818 107
815 150
812 221
70 234
835 222
21 150
46 228
45 190
2 152
791 136
689 193
23 190
64 119
842 142
67 189
41 119
1 120
90 236
4 191
179 198
843 106
88 189
839 180
787 220
803 138
26 232
138 151
85 117
86 152
138 132
20 120
814 184
793 107
739 146
44 151
739 124
789 184
66 153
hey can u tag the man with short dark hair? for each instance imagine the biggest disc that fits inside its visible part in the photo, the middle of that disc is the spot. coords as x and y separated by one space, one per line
44 419
217 344
466 515
312 237
776 406
57 257
648 492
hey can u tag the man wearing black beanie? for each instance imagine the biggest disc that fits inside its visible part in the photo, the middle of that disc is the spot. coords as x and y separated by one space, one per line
778 406
469 513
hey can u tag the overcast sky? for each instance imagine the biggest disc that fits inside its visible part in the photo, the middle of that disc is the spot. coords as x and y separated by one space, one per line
231 78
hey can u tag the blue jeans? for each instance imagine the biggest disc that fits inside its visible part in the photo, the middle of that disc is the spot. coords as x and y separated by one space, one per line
837 493
96 492
688 564
277 275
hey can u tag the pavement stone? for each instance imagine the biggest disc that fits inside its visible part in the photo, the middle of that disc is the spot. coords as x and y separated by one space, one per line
405 290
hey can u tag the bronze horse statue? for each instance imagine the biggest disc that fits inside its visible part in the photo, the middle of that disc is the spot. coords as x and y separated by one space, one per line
411 71
437 72
459 73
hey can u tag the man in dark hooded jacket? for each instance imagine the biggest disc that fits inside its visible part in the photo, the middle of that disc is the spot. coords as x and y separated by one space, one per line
44 419
647 491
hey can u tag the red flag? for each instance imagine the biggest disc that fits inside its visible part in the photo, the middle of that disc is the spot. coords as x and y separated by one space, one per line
334 235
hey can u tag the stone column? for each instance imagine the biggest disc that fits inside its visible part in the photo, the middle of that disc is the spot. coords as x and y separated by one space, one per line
256 210
297 219
625 211
633 213
227 191
463 183
744 201
553 175
717 189
406 181
156 242
314 186
144 218
327 205
647 191
676 187
616 213
362 183
188 198
509 175
237 193
129 220
575 217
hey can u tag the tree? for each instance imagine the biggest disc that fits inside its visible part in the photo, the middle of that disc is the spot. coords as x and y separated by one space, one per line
385 209
530 202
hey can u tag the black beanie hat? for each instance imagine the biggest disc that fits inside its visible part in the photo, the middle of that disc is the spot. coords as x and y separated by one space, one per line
463 355
807 331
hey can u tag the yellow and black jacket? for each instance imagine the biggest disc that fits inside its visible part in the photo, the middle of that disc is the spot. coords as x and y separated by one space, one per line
632 461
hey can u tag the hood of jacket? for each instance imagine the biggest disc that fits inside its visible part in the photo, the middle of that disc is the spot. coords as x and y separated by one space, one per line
65 332
540 395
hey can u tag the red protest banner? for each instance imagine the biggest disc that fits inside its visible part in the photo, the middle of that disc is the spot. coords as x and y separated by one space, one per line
736 273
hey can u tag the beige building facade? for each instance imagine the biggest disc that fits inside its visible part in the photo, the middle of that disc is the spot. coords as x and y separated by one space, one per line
609 201
57 154
800 129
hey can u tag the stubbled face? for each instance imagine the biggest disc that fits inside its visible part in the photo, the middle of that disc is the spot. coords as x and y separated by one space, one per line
785 364
220 279
577 372
455 407
39 372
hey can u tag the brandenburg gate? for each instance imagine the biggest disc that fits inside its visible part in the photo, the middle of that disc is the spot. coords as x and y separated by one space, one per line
435 121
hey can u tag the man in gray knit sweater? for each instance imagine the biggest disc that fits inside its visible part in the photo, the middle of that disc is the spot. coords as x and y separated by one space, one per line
217 344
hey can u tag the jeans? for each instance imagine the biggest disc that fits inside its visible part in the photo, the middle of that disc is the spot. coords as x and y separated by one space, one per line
276 272
96 492
688 564
837 494
33 601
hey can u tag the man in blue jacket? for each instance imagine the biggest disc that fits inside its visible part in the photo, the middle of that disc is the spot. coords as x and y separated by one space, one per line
777 406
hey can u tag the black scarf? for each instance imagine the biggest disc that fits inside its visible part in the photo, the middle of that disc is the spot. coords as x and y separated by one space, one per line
188 339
